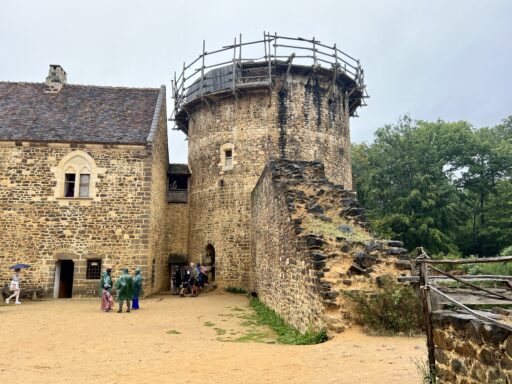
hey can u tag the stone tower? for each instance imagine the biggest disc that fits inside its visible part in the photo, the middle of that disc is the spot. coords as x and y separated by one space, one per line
293 102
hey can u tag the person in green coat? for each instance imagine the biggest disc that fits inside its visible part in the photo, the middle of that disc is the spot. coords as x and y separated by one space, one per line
124 288
137 288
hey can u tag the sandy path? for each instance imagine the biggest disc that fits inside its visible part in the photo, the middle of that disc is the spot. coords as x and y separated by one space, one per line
71 341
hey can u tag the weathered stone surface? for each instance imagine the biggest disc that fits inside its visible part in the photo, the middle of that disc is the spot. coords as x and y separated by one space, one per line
493 334
395 244
458 367
403 265
396 251
365 260
471 356
122 222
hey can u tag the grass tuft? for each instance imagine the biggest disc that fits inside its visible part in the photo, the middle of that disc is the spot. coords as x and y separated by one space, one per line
173 332
286 333
236 290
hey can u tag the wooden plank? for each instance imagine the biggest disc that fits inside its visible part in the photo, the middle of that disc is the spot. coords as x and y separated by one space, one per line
466 261
469 284
474 313
414 279
471 297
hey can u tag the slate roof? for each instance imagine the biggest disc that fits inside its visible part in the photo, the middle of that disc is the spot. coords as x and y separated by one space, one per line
78 113
178 169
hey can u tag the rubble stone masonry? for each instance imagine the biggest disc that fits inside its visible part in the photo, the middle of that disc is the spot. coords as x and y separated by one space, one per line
310 244
470 351
121 222
230 141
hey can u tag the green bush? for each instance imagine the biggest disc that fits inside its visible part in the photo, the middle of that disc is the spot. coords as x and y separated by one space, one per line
239 291
507 251
286 334
395 308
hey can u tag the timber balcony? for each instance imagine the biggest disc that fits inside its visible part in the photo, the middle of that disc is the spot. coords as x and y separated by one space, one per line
177 196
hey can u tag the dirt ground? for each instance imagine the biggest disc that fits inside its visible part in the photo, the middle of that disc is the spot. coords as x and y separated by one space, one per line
208 339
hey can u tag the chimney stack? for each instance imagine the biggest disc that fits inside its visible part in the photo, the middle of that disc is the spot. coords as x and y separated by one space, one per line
56 78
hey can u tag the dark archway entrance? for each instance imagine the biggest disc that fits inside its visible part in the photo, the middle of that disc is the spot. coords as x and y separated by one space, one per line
210 260
67 271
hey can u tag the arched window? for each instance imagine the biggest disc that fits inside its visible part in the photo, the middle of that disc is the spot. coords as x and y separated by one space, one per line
76 176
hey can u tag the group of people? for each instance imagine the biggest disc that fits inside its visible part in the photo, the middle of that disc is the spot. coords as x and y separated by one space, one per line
190 280
127 288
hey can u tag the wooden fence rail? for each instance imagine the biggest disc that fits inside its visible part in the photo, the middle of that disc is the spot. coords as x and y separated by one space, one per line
428 286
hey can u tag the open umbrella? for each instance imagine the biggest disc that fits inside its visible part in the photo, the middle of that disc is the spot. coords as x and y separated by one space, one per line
19 266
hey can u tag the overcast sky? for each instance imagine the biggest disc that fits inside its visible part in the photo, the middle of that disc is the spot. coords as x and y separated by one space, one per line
448 59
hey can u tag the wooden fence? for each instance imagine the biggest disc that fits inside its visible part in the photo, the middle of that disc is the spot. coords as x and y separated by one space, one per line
433 293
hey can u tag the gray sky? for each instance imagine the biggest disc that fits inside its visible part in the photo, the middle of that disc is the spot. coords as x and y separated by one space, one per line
448 59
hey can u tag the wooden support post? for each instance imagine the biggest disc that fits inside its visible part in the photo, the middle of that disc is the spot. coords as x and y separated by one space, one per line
202 71
233 86
427 312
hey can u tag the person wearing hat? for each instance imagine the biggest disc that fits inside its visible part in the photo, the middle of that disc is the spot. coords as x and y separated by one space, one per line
107 302
137 288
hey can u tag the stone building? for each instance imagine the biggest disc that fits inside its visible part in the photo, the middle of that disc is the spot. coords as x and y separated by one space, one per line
237 118
265 200
82 183
270 204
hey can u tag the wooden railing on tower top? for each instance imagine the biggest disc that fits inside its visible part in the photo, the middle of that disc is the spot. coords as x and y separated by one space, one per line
227 69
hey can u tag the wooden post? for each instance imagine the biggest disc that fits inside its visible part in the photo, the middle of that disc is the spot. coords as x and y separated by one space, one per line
234 68
427 312
202 70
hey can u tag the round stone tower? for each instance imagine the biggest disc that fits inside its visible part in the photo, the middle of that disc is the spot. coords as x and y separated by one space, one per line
293 103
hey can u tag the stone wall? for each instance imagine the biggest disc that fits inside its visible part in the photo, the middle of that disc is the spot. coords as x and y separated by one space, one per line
39 227
157 277
471 351
301 121
310 243
177 228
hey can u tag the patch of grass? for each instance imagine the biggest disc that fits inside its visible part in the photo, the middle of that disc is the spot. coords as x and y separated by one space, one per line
286 333
237 309
173 332
423 370
393 309
219 331
255 337
208 324
236 290
317 225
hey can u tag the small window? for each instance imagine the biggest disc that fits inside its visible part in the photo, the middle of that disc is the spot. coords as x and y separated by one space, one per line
69 185
228 158
93 270
84 185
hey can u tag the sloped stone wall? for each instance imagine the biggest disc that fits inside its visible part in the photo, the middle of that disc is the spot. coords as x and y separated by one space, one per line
310 243
470 351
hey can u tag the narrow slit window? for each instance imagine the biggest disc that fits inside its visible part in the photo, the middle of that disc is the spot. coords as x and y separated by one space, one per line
69 185
84 185
228 158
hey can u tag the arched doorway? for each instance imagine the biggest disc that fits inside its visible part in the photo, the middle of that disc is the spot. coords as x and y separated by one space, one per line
210 260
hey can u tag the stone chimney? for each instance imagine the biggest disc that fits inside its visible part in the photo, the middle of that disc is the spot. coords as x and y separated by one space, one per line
56 79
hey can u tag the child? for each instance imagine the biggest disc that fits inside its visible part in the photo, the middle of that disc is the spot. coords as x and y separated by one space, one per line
107 299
